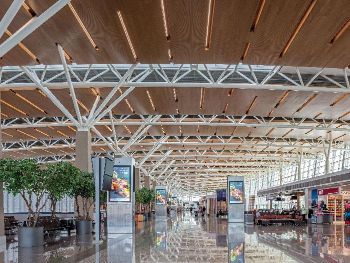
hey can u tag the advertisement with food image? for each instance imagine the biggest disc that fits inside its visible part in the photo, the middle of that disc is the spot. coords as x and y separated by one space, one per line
121 184
160 197
236 192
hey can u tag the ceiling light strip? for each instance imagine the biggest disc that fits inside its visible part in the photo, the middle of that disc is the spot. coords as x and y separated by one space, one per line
245 52
29 9
129 105
25 49
338 100
13 107
127 34
201 99
29 102
307 102
150 100
83 26
24 133
251 105
43 133
126 128
166 31
7 134
258 15
210 19
340 32
299 26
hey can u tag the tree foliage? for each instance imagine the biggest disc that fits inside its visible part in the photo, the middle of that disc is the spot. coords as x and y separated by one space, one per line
83 191
26 178
144 197
60 181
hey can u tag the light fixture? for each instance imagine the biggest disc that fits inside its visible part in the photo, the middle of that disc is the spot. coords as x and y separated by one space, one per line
338 100
25 49
175 95
7 134
317 115
29 9
245 51
43 133
163 131
166 31
150 100
129 105
83 26
82 105
210 18
225 108
24 133
62 133
296 31
126 128
258 15
251 105
340 32
269 132
71 128
13 107
201 99
127 34
306 102
28 101
284 135
5 115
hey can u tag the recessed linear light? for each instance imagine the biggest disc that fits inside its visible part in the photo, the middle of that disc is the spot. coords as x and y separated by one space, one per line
170 56
163 131
129 105
258 15
126 128
175 95
43 133
5 115
13 107
28 101
245 52
306 102
284 135
225 108
24 133
29 9
201 99
7 134
83 26
63 134
299 26
82 105
25 49
345 114
71 128
269 132
251 105
338 100
150 100
127 34
340 32
108 128
318 115
166 31
210 18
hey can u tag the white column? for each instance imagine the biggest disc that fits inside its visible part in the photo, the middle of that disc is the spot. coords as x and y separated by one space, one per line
83 149
2 224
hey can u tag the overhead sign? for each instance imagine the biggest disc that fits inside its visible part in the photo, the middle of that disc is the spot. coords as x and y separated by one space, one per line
327 191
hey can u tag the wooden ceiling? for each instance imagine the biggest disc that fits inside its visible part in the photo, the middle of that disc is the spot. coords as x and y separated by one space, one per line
267 32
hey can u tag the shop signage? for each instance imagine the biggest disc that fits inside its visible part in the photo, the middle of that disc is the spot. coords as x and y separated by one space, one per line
326 191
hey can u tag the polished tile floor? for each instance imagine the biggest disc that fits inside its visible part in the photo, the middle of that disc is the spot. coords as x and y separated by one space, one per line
188 239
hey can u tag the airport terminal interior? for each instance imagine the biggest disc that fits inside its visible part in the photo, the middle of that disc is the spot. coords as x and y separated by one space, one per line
175 131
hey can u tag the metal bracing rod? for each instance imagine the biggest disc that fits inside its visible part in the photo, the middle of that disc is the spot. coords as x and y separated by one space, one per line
166 168
155 148
31 26
160 161
10 15
51 96
70 84
120 83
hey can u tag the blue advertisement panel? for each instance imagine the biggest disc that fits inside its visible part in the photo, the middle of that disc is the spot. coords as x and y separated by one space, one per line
236 192
121 184
221 195
314 198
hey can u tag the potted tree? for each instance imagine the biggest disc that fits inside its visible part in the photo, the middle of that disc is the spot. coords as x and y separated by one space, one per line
83 192
26 178
60 182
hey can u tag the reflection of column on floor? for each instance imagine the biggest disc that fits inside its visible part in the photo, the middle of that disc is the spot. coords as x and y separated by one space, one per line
2 224
121 248
161 234
235 232
83 156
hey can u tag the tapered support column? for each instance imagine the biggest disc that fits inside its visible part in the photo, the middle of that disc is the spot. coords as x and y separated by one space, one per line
83 150
146 182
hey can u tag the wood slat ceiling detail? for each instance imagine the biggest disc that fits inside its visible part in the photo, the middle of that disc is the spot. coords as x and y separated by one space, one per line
231 35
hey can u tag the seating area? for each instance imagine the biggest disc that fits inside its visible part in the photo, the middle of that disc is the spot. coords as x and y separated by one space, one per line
275 217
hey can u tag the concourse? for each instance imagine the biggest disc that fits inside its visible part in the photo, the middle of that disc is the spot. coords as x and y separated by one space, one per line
174 131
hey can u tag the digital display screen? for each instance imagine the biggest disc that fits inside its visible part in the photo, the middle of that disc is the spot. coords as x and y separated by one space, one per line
235 192
121 184
221 195
160 197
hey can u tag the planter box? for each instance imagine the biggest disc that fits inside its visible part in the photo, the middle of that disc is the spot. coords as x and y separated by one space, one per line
83 227
31 236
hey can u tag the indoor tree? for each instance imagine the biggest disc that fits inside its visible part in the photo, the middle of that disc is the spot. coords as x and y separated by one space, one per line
83 192
61 178
26 178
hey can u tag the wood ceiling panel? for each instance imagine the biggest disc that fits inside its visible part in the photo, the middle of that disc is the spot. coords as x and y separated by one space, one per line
276 24
292 102
145 26
187 22
311 46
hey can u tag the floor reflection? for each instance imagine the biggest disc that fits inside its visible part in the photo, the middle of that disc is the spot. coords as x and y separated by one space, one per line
185 238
